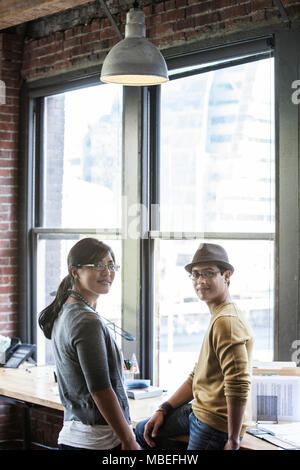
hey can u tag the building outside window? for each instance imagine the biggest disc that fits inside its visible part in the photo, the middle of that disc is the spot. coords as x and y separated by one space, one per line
217 185
81 188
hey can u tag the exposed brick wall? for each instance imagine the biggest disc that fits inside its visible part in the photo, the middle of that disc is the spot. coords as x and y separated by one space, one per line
169 23
10 422
11 47
45 426
9 124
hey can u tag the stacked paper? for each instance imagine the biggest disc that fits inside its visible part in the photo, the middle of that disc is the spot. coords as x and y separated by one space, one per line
289 433
149 392
287 390
5 343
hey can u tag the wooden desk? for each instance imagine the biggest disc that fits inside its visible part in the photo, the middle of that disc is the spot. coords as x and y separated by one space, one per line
30 385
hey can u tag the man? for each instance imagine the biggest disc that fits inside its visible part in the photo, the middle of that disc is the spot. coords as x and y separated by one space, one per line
220 382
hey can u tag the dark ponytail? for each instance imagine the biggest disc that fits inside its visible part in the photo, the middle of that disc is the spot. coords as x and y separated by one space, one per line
50 313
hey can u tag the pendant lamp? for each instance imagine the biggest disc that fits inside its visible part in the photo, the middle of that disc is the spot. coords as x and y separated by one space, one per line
134 61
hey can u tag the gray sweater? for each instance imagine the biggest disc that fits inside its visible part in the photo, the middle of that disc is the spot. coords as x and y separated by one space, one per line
87 360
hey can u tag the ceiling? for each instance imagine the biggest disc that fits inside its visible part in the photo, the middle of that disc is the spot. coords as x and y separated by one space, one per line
15 12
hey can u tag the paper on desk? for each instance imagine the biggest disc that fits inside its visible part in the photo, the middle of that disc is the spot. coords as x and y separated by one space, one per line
288 432
286 388
149 392
273 364
55 390
5 342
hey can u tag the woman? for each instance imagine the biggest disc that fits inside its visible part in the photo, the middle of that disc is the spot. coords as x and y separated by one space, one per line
88 361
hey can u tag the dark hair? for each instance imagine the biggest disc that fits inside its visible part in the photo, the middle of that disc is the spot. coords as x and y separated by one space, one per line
222 269
86 251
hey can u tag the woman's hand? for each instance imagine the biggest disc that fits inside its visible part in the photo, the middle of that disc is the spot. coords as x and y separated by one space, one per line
130 444
152 427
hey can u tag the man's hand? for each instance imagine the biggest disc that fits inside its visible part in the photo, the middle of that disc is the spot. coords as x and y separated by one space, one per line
232 444
236 412
152 427
183 395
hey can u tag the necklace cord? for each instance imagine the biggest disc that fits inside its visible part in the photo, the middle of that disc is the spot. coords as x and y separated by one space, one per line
110 323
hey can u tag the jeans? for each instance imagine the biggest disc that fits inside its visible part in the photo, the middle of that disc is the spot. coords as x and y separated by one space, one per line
183 421
204 437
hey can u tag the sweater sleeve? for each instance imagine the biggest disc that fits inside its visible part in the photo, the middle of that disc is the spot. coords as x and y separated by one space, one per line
190 377
89 342
229 341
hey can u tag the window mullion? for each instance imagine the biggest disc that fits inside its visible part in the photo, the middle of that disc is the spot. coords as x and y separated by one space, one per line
131 216
177 235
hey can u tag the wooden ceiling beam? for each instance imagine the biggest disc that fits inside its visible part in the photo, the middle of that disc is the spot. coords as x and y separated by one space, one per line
15 12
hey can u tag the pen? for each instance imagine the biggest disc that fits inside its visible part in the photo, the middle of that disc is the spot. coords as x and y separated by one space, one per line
128 364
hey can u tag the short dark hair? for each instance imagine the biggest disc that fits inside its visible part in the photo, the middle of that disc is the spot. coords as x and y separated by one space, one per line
222 269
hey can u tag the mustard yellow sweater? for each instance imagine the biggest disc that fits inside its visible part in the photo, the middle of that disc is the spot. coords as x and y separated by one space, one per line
223 371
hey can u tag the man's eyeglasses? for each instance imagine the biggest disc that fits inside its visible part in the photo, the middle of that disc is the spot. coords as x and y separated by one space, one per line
195 275
101 267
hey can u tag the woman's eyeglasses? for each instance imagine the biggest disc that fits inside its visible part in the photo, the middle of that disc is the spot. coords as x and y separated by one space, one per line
101 267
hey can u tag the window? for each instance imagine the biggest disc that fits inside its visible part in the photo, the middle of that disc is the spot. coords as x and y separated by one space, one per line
211 173
217 151
82 159
80 189
217 184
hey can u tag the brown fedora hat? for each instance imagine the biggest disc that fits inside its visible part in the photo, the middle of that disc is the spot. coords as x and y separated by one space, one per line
210 253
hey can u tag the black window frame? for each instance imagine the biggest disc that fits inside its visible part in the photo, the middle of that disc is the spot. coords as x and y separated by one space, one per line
280 42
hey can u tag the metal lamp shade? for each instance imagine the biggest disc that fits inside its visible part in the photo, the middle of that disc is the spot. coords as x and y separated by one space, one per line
134 61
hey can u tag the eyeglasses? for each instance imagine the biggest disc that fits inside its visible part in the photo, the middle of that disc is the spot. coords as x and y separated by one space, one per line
101 267
195 275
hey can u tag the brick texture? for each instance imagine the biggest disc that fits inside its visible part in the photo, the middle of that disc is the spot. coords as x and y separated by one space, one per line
45 426
10 64
169 24
11 48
